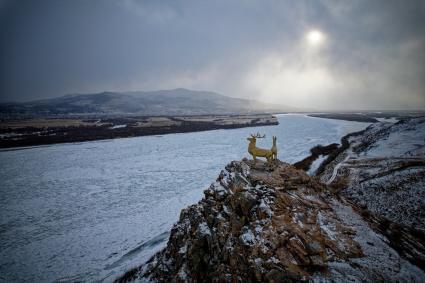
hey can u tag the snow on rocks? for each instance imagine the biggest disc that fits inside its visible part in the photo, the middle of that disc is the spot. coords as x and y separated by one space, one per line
382 174
262 224
384 169
378 255
247 237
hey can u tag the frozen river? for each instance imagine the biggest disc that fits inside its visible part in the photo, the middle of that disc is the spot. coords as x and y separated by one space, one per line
90 211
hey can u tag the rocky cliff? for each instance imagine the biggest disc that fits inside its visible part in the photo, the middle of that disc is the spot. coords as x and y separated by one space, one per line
262 224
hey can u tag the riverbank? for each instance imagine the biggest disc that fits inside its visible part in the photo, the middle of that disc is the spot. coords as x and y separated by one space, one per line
369 116
356 117
32 132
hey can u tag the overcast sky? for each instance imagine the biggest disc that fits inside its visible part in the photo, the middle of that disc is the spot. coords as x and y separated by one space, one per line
314 54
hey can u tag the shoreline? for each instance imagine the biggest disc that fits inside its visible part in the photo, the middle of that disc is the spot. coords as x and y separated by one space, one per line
368 116
352 117
328 152
41 132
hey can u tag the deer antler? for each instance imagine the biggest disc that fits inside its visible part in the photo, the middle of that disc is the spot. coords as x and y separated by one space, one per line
258 136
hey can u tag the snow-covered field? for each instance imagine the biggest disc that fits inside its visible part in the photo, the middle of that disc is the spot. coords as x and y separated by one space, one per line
90 211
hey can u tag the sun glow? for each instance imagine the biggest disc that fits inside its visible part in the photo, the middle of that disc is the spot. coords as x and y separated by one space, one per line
315 38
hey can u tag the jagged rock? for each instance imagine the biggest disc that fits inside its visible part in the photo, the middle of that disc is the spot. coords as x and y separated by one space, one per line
262 224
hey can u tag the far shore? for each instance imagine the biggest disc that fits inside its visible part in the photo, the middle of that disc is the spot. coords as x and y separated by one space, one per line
368 116
45 131
354 117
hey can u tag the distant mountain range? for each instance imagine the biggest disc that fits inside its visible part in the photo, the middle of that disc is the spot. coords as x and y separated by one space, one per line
162 102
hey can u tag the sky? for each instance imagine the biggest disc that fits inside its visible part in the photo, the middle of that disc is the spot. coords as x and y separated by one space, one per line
324 55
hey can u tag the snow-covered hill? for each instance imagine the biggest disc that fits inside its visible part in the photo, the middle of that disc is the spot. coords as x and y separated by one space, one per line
385 168
163 102
382 172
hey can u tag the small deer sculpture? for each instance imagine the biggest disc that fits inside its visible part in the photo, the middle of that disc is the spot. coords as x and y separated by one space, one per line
261 152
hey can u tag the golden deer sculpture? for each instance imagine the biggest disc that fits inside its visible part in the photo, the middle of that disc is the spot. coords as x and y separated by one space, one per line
255 151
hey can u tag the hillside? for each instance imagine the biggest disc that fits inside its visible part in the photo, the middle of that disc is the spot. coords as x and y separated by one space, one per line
385 164
382 173
162 102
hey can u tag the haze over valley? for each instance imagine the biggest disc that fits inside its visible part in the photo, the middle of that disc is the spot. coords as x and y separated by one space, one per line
151 103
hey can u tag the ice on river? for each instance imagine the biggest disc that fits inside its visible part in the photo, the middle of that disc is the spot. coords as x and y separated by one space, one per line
90 211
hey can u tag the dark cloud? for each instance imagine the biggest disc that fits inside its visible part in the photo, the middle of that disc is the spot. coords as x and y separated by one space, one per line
372 56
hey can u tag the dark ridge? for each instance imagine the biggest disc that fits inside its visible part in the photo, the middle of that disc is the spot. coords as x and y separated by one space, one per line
305 163
316 151
347 117
403 165
344 145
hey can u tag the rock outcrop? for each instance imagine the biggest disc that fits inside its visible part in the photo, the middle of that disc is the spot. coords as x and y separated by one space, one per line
261 224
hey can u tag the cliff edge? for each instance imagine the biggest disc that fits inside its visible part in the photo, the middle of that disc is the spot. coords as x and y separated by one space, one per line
257 224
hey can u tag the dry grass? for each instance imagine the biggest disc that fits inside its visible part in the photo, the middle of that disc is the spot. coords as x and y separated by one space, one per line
43 123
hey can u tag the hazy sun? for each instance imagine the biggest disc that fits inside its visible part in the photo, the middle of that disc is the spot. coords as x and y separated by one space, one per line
315 38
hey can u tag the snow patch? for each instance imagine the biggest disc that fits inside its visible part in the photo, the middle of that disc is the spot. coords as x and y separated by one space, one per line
204 229
248 238
118 127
